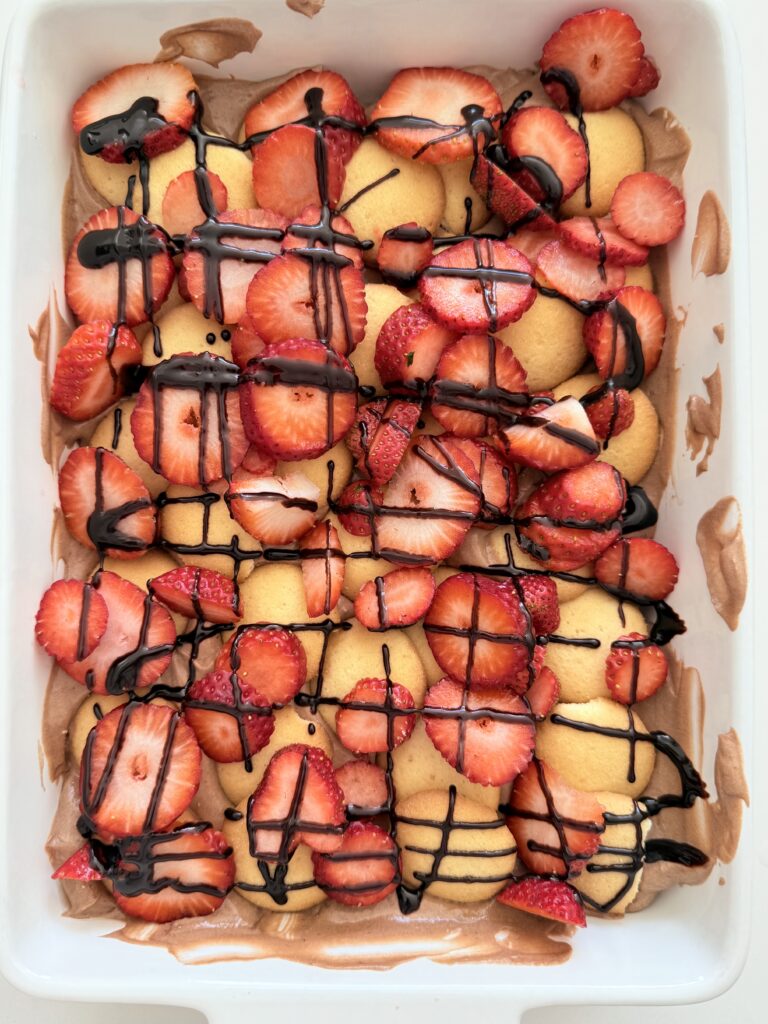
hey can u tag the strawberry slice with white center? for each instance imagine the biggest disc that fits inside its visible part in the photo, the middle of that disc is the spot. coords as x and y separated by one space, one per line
611 413
363 871
79 867
247 343
140 770
648 208
440 97
498 482
105 504
380 436
488 749
322 568
314 228
258 462
198 594
477 285
543 693
545 897
409 346
357 507
648 79
382 728
397 599
297 801
289 169
182 211
231 720
404 251
543 133
639 566
274 510
530 243
539 595
598 239
88 377
121 99
577 277
606 332
495 179
635 669
364 786
552 437
270 659
118 268
71 619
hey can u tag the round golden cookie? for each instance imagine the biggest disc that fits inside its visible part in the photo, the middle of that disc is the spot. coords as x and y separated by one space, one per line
248 872
290 727
318 472
494 847
581 670
185 329
640 277
603 887
418 638
591 760
632 451
431 426
548 341
116 426
139 570
358 571
615 150
457 190
415 193
382 301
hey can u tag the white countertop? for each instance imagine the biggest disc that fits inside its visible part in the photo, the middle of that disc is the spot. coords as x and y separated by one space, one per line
744 1003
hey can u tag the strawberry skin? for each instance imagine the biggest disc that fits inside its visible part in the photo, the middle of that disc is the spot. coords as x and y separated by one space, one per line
544 897
606 340
648 79
363 871
551 437
380 436
270 659
225 716
495 181
539 595
639 566
497 481
88 378
576 276
543 693
372 732
404 251
648 208
409 346
635 669
71 619
322 568
198 594
612 413
79 867
285 171
398 599
182 211
357 506
598 239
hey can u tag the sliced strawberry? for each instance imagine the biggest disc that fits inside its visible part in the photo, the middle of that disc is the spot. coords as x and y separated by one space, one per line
552 437
635 669
270 659
494 178
383 727
577 277
141 108
439 96
79 867
182 211
247 343
230 719
606 338
543 693
298 399
648 208
380 436
648 79
274 510
186 423
105 504
477 285
409 345
543 133
316 228
118 268
490 750
258 462
639 566
357 507
88 377
198 594
364 786
71 619
539 595
404 251
545 897
612 413
598 239
530 243
295 297
322 568
602 50
396 599
497 481
363 871
140 770
297 801
287 176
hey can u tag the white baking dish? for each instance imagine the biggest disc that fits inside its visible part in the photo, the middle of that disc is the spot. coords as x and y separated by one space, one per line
690 945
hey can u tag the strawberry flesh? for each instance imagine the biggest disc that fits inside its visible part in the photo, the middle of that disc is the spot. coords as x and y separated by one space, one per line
383 727
409 346
364 786
198 594
322 568
380 436
551 437
611 336
71 620
269 659
230 719
363 871
182 211
648 208
398 599
545 897
288 169
635 669
638 566
89 369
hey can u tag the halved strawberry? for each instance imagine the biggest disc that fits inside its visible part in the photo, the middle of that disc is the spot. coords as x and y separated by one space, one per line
545 897
274 510
105 504
552 437
295 297
231 720
71 619
322 568
198 594
648 79
639 566
186 422
182 211
399 598
440 97
247 343
603 50
543 693
648 208
298 399
258 462
290 171
404 251
494 178
480 386
357 506
380 436
530 243
140 108
270 659
577 277
79 867
118 268
543 133
316 228
598 239
488 749
497 481
364 786
539 595
88 377
363 871
635 668
606 338
297 801
477 285
382 728
409 345
140 770
612 413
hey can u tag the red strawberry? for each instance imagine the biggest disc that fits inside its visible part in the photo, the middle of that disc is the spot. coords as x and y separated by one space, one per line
493 177
140 770
539 595
409 345
612 413
635 669
314 228
497 481
228 716
295 297
297 801
552 437
364 786
606 339
598 239
167 85
286 174
543 693
648 79
380 436
363 871
477 285
322 568
544 133
480 386
439 95
491 750
603 50
198 594
105 504
186 423
404 251
396 599
71 619
247 343
375 731
88 377
545 897
274 510
270 659
182 211
530 243
575 276
357 505
258 463
95 268
648 208
640 566
79 867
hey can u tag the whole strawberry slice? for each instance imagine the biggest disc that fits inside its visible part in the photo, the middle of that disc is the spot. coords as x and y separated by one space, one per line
539 595
380 436
88 377
363 871
635 312
382 728
297 801
287 176
182 211
404 251
551 437
494 177
357 507
612 411
577 277
322 568
498 481
648 208
635 669
409 346
639 566
543 693
140 770
491 750
269 659
543 133
71 619
231 720
198 594
316 228
598 239
397 599
274 510
80 867
364 786
545 897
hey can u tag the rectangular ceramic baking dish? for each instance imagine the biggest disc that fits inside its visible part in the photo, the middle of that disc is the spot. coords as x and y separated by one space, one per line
690 945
